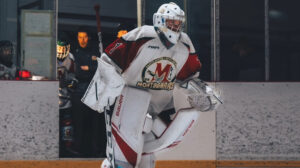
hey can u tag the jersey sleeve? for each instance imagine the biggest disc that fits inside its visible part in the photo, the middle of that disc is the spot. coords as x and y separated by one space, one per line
117 53
123 50
191 66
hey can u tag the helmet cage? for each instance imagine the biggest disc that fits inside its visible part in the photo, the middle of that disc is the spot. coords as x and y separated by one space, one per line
161 20
174 25
63 50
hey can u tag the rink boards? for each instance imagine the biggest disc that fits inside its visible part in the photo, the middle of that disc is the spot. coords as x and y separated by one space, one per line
258 121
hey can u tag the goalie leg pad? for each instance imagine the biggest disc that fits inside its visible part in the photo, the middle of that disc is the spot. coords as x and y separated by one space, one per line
147 161
127 125
174 133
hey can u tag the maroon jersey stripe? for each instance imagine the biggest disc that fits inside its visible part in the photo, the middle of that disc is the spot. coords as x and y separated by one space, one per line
191 66
123 52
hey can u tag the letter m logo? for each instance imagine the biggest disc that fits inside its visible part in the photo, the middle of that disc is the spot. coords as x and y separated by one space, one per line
161 74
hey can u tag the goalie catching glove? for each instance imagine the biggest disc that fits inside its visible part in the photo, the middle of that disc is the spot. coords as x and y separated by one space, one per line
200 95
106 85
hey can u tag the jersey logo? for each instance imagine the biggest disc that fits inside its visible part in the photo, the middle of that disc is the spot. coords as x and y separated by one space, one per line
159 74
115 47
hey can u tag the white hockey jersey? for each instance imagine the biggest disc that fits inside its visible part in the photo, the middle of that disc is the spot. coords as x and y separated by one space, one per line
146 63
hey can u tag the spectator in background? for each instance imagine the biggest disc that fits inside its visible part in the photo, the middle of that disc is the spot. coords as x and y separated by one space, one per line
7 69
89 125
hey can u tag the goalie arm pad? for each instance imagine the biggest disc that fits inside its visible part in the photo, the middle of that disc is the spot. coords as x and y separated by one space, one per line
106 85
169 136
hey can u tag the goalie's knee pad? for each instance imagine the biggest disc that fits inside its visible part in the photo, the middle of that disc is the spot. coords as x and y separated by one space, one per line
168 136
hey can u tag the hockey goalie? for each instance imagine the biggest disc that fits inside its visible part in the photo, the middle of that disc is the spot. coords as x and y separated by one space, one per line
150 75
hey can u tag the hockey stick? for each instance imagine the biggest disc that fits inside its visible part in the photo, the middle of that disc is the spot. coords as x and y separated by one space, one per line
97 10
110 149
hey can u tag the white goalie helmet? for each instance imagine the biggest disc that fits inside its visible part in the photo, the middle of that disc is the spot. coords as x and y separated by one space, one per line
169 19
